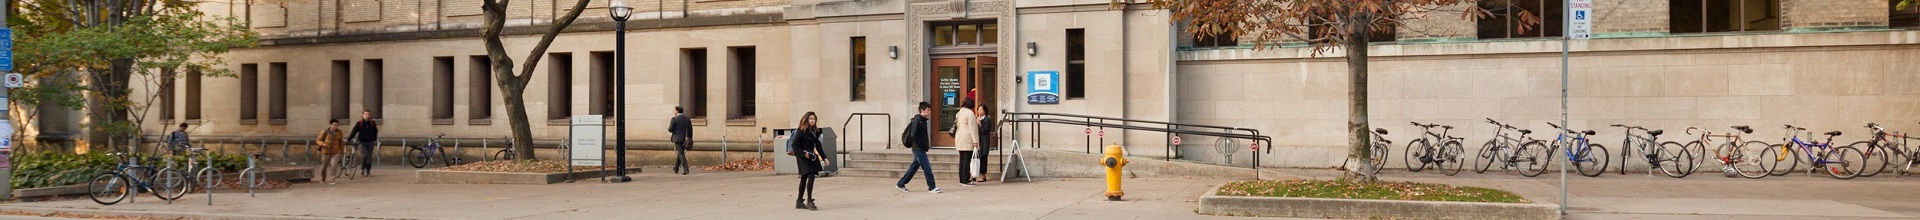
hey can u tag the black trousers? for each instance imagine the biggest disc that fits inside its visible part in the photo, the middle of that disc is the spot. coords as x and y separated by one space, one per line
680 157
966 165
366 157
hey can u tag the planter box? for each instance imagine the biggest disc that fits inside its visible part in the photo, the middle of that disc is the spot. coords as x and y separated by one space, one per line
1295 207
287 174
478 177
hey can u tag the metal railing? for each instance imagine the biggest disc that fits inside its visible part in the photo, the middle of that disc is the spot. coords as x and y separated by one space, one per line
1092 123
861 132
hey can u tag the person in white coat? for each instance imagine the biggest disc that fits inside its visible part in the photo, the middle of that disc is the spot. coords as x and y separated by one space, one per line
966 138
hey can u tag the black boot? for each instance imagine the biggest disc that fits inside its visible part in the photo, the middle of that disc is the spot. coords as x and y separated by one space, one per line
811 207
799 204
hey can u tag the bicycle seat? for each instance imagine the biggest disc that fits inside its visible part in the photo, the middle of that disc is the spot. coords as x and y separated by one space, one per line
1525 131
1743 128
1456 138
1655 133
1382 131
1588 132
1446 126
1833 133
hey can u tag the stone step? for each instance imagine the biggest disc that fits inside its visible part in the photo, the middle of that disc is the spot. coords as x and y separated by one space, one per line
935 156
902 165
943 177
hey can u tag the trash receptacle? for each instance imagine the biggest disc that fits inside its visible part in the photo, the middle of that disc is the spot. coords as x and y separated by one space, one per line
786 165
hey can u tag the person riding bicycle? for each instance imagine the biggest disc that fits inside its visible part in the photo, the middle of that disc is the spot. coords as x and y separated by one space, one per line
177 141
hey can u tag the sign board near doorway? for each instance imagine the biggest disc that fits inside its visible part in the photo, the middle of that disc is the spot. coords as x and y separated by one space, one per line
1043 87
586 139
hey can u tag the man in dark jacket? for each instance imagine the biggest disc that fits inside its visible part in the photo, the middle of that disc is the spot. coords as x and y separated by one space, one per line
367 132
917 138
682 129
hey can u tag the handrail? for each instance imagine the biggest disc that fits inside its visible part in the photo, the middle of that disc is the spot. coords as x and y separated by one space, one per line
1169 128
863 130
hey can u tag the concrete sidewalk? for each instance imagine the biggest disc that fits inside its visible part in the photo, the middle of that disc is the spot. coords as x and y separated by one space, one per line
702 195
1698 196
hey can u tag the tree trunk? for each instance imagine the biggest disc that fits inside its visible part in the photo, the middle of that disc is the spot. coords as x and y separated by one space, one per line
1357 128
513 87
513 91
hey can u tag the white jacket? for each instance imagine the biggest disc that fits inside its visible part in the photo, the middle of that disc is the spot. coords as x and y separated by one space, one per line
966 129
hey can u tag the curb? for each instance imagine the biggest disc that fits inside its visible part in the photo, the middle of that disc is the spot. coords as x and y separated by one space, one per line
1294 207
161 214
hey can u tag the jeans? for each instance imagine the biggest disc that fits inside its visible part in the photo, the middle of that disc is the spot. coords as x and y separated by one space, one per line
366 157
680 157
919 162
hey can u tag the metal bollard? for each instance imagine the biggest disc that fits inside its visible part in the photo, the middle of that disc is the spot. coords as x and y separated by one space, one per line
723 148
309 150
760 146
456 153
483 149
283 153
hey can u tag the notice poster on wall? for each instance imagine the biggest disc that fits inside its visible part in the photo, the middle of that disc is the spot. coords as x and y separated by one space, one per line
1043 87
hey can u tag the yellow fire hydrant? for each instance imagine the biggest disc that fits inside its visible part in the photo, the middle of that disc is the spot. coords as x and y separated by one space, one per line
1113 161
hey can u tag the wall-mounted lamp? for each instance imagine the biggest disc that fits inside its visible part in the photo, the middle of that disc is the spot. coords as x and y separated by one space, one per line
893 52
1032 49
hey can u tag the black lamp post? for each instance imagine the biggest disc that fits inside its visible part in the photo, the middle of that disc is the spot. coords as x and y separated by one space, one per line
620 11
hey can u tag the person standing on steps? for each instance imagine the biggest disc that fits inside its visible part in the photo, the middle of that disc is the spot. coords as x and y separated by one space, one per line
966 137
917 138
806 151
367 132
986 142
332 143
682 129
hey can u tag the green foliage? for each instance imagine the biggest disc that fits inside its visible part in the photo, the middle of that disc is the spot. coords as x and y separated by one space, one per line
35 170
1904 5
56 49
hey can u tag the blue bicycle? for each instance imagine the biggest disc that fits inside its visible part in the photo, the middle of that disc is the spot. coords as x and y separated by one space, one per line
1588 158
131 178
423 154
1838 162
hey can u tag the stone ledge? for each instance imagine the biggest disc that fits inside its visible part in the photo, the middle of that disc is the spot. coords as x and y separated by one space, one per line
478 177
1294 207
305 173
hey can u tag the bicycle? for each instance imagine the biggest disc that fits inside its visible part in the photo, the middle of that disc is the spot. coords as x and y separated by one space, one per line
1728 154
1378 152
1495 150
1448 151
1881 147
346 165
1586 160
505 153
421 155
1848 168
130 178
1670 158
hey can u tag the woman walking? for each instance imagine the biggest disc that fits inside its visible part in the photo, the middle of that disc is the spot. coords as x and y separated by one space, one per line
806 151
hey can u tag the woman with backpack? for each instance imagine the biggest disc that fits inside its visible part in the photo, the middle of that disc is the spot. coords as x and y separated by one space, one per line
805 148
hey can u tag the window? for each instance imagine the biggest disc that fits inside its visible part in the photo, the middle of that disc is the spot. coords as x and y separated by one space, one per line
601 101
1076 82
1899 18
193 93
443 90
857 77
479 89
1217 40
693 82
249 93
339 89
1706 16
1506 19
1381 32
740 88
166 94
559 89
374 75
277 94
965 34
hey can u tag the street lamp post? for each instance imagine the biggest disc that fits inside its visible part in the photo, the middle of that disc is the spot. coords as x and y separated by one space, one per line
620 11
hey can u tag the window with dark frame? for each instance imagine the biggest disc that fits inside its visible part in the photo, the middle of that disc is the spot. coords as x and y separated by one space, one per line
1076 75
1710 16
249 93
559 86
1903 18
1215 40
338 87
373 87
479 89
745 75
1506 19
601 92
965 33
443 90
277 93
857 75
167 101
193 93
693 81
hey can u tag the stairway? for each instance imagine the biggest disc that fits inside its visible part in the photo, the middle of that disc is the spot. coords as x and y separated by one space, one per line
891 163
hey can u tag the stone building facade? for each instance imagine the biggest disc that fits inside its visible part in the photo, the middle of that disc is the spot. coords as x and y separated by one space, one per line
745 65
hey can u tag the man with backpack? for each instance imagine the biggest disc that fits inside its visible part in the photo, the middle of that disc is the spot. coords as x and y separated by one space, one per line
917 138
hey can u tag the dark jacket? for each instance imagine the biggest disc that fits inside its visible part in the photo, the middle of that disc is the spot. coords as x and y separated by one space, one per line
682 128
807 145
365 131
917 137
986 132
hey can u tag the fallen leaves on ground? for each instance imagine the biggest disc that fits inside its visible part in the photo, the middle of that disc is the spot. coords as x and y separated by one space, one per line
82 216
749 164
522 166
1376 190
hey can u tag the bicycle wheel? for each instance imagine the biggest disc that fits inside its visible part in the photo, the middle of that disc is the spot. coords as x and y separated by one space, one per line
170 184
1379 157
1532 158
1700 155
1747 160
1593 160
416 157
1485 158
208 178
501 155
1877 159
252 179
1673 159
1415 151
1448 159
1843 162
1785 158
108 188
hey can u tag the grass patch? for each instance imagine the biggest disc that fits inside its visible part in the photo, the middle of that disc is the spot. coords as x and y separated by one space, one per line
1379 190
